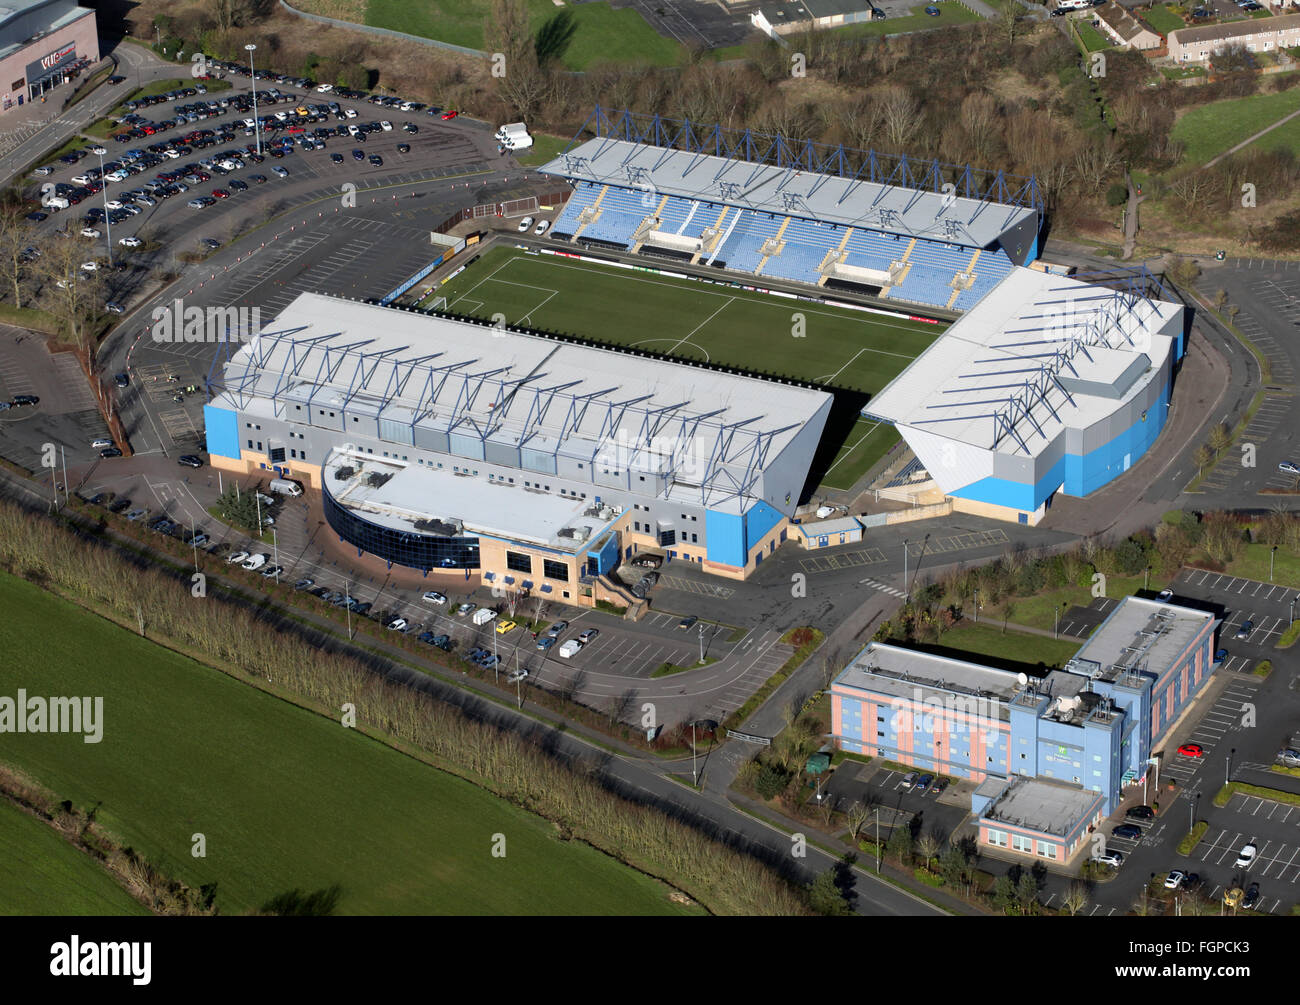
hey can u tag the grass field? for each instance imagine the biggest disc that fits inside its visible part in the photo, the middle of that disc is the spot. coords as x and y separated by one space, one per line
1010 649
1211 129
285 799
41 874
1162 19
1093 40
841 349
603 34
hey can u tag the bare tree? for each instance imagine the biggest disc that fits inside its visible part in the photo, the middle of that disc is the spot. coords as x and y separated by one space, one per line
901 115
856 816
927 846
1076 898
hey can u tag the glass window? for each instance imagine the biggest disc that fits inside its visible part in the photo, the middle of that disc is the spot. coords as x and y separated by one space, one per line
555 570
519 562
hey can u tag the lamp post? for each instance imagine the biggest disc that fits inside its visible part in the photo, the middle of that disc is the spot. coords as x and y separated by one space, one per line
250 48
701 641
1271 555
108 230
1227 770
905 589
695 775
1192 806
1146 578
977 606
275 549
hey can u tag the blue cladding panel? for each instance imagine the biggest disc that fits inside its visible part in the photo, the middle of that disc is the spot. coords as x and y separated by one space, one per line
222 430
758 521
607 557
1082 475
726 537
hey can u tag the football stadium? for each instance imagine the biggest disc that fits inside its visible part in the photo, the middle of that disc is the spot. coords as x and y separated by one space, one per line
717 324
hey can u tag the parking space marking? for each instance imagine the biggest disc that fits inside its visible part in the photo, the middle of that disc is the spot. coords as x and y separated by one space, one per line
843 560
694 586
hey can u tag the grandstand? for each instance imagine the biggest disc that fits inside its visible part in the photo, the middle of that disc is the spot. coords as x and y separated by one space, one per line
918 233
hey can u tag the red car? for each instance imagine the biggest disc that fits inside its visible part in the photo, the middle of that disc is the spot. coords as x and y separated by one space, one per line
1192 750
295 129
450 114
221 193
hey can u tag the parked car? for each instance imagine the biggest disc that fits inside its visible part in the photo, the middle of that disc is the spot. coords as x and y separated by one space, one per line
923 783
1114 859
555 629
1251 900
1244 630
113 308
542 227
397 625
1140 813
588 635
688 622
100 443
1289 757
570 648
506 627
1220 655
1246 857
271 571
1130 831
1289 467
254 562
1192 750
525 223
545 642
1164 596
304 584
464 609
434 597
238 558
190 460
1175 879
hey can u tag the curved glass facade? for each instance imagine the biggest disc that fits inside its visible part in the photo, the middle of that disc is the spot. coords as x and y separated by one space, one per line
410 548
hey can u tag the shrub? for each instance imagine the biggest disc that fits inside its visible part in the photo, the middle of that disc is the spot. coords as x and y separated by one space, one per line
771 781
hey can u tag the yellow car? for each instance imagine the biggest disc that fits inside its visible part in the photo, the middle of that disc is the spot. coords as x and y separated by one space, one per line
505 626
1233 897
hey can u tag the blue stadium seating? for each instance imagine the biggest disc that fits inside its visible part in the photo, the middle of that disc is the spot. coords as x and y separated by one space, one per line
806 243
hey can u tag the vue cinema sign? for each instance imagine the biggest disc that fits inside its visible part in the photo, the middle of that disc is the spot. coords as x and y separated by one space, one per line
55 58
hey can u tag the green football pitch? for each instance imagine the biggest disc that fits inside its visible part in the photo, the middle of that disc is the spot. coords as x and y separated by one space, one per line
850 352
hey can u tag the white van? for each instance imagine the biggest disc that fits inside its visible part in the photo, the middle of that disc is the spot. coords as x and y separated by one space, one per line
483 615
284 487
101 444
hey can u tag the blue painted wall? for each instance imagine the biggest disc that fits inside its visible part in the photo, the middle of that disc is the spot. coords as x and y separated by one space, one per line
758 521
726 537
1081 475
222 430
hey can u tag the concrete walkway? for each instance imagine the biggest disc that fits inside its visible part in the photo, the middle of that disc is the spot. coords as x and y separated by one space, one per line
1251 139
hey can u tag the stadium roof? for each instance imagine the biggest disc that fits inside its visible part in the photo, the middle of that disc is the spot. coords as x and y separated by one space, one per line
711 433
1036 354
470 506
789 191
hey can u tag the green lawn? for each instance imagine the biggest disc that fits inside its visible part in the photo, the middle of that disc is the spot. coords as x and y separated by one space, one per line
1093 40
867 443
603 34
1039 610
719 324
1211 129
544 148
1254 564
42 874
988 641
284 798
950 13
1162 19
